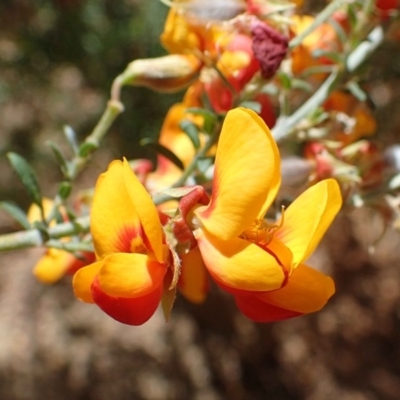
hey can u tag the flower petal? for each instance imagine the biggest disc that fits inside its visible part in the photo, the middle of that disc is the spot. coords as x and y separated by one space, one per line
193 281
130 275
240 264
53 265
307 291
246 175
134 311
114 220
145 209
83 279
308 217
259 311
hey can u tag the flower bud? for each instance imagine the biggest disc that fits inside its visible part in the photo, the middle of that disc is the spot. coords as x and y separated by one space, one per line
163 74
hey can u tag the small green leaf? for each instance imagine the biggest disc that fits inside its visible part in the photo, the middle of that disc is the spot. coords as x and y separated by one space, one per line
192 130
62 162
27 176
86 148
209 118
302 85
16 213
341 33
64 189
285 80
201 111
70 135
356 90
160 149
352 16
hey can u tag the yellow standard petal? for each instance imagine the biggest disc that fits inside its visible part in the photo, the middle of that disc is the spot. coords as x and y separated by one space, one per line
83 279
130 275
113 219
308 217
145 209
240 264
307 291
246 177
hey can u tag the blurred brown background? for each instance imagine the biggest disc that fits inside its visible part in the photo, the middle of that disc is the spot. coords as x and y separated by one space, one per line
57 62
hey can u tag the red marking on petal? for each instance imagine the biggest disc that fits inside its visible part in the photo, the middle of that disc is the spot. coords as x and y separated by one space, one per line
260 311
130 311
125 237
284 270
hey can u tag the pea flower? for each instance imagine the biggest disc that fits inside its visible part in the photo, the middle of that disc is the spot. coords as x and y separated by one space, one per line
259 262
56 263
126 281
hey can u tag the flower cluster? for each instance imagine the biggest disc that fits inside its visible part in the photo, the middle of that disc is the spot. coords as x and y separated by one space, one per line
261 263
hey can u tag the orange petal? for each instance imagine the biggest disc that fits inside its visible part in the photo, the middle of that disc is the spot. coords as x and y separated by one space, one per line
130 275
135 311
308 217
193 281
114 220
259 311
307 291
83 279
246 176
145 209
239 264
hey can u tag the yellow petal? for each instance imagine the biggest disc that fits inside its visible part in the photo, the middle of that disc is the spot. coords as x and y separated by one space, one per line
130 275
113 220
246 177
240 264
308 217
307 291
53 265
145 209
83 279
193 281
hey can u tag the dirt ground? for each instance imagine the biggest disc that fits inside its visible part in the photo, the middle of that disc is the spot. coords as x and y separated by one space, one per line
54 347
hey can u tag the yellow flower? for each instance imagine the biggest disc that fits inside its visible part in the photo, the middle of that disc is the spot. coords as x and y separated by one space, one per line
55 263
261 263
126 282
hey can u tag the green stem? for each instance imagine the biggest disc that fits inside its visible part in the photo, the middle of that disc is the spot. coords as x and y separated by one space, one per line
35 238
114 108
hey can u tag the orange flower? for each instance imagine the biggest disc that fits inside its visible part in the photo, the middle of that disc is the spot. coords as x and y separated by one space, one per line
56 263
261 263
127 280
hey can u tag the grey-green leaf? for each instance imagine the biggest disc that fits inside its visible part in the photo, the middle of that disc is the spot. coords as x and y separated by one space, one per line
63 163
27 176
160 149
192 130
16 213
